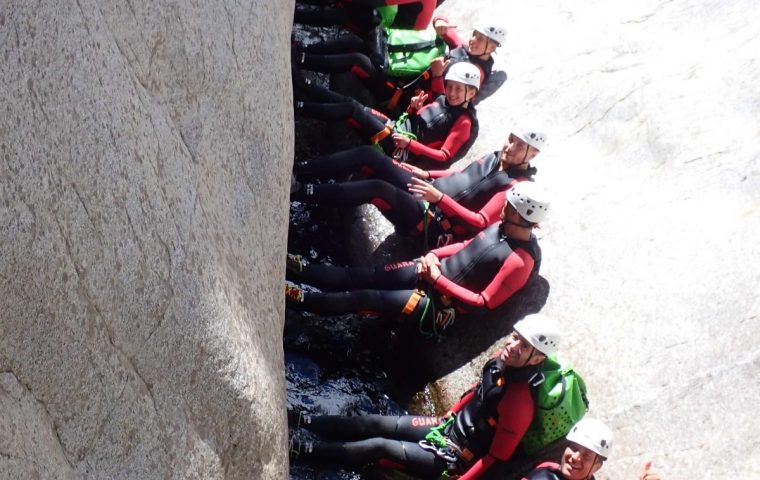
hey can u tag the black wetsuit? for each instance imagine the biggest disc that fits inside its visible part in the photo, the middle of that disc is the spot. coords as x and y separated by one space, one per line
545 471
477 275
360 15
473 197
489 421
441 129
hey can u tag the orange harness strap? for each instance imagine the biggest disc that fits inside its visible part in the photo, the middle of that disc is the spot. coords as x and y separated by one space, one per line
376 138
412 303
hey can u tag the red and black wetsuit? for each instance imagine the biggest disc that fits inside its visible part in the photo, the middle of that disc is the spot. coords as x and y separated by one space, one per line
359 55
490 422
442 130
472 198
545 471
359 15
477 275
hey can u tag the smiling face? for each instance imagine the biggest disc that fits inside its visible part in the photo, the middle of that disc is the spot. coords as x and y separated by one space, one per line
579 463
516 152
517 352
458 93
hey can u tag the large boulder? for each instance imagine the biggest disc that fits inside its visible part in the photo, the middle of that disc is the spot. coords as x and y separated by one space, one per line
145 150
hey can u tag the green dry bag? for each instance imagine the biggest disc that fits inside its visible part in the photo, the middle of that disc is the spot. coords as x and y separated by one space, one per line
560 402
411 51
387 14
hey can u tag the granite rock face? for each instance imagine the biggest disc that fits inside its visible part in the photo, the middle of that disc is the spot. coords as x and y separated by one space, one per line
145 149
652 251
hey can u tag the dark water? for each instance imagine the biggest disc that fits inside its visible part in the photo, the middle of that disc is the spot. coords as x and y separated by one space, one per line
349 365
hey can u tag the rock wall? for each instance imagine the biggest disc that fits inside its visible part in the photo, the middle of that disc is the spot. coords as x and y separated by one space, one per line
145 148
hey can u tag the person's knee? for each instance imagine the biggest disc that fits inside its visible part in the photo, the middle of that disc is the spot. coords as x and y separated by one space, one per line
382 448
368 153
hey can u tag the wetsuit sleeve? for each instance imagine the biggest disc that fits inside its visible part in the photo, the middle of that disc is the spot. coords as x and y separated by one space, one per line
511 277
478 468
515 414
450 37
426 12
453 41
441 173
437 87
489 214
455 140
515 410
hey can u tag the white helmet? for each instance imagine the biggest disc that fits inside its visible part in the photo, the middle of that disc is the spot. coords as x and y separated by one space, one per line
592 434
495 33
541 332
464 72
534 138
530 200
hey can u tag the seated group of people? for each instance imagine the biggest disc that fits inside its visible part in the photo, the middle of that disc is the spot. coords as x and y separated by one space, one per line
475 225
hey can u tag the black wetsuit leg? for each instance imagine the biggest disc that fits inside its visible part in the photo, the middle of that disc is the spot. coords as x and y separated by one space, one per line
380 290
334 106
365 159
320 17
405 456
374 302
400 207
356 62
391 441
343 44
361 18
402 427
332 278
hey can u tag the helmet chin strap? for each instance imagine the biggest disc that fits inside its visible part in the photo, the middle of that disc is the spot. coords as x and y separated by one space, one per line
463 101
532 352
589 474
485 49
522 225
525 161
525 157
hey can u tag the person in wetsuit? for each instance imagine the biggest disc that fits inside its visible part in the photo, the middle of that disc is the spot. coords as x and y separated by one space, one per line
436 131
441 205
590 444
474 276
361 16
478 50
351 53
482 429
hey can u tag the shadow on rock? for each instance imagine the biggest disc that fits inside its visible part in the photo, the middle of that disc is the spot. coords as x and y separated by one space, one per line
472 335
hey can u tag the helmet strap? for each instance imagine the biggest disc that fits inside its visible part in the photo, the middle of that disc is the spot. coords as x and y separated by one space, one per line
532 352
590 475
485 49
516 224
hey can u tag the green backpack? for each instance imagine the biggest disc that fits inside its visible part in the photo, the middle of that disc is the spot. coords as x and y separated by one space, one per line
560 403
387 15
411 51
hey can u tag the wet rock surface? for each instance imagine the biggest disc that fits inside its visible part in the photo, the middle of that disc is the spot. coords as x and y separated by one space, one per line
651 254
